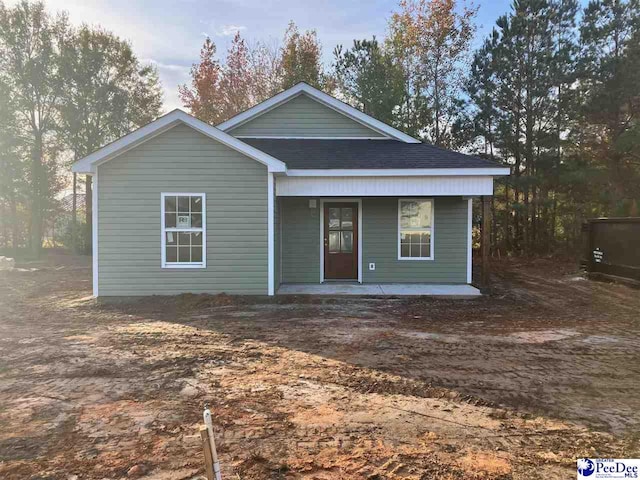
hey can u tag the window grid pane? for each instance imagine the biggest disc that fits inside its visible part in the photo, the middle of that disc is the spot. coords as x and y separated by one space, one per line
415 214
170 204
347 218
346 242
334 218
415 244
184 254
183 205
196 220
334 242
196 204
170 220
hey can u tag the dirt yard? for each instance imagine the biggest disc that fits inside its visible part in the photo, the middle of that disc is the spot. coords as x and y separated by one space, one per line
513 385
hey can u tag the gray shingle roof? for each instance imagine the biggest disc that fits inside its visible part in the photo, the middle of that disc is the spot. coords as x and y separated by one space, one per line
357 154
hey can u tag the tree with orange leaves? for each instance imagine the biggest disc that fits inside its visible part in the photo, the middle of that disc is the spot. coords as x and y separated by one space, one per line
236 80
204 97
301 60
431 40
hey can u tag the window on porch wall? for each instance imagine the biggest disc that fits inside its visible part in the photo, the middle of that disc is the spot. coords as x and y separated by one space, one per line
415 223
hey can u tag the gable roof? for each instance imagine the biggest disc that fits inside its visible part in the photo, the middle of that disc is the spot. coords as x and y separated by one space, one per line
321 97
313 154
315 157
161 125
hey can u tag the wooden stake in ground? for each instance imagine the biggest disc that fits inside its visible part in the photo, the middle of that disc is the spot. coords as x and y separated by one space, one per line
212 444
208 459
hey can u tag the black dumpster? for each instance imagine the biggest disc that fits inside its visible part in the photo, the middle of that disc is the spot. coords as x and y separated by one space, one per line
612 247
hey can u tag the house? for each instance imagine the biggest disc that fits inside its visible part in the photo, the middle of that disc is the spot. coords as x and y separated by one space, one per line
293 195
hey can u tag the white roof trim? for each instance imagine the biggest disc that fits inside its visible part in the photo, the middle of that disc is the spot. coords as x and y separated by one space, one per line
89 163
399 172
276 137
326 100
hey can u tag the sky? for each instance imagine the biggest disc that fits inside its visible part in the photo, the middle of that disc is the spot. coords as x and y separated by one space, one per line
169 33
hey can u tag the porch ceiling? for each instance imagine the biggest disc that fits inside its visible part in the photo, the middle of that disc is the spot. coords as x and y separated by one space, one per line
384 186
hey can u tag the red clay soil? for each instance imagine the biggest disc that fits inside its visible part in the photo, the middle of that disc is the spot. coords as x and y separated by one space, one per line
517 384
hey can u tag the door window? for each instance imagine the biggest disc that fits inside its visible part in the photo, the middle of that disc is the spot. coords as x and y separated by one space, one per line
341 229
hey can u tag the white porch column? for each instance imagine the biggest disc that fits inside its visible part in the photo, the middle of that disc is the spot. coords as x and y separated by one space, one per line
469 240
270 234
94 232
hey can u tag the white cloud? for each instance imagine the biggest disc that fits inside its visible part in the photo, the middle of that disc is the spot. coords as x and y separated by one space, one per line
167 66
228 30
171 75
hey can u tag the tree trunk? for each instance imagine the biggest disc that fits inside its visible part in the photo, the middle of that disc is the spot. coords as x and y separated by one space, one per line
5 231
436 97
74 215
556 170
554 216
88 214
37 196
543 222
528 172
534 214
507 217
517 224
493 224
15 240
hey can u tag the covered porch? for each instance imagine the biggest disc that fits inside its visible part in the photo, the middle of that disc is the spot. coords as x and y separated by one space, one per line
383 232
365 245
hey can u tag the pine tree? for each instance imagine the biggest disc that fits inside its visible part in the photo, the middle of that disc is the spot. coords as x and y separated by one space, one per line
370 80
518 77
564 71
480 89
608 34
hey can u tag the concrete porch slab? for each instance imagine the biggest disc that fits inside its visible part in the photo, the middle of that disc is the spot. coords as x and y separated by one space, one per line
408 289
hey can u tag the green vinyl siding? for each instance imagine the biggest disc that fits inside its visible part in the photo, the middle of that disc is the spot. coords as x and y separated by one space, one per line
300 258
303 116
129 224
380 243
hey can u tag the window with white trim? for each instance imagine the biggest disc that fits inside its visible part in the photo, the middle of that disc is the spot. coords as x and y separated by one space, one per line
415 229
183 230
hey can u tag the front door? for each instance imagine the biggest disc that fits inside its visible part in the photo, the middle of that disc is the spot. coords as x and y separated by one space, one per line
341 241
